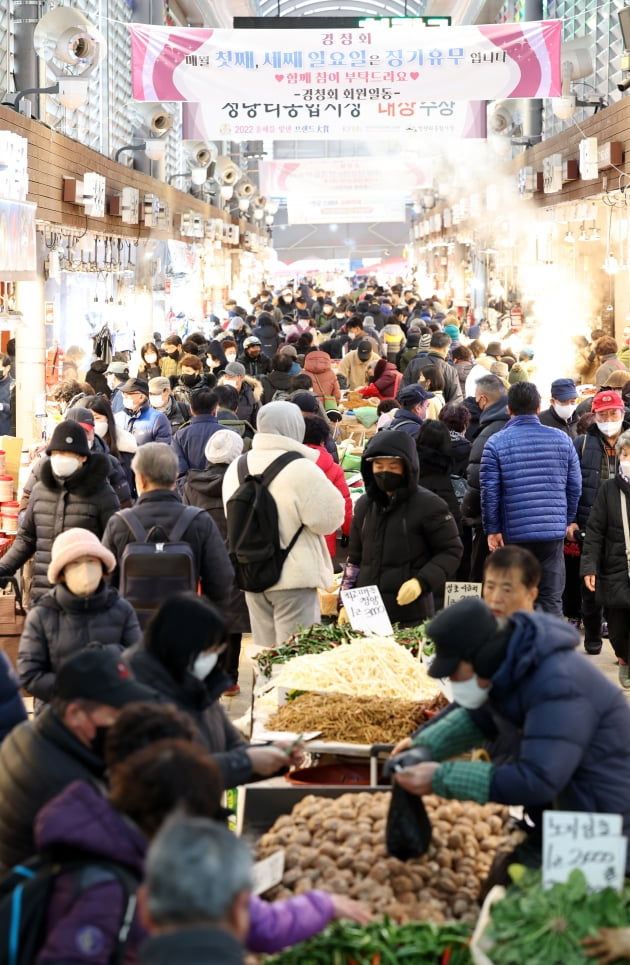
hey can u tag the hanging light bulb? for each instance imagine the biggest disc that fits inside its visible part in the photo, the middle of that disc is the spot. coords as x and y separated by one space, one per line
569 238
611 265
243 204
269 219
594 235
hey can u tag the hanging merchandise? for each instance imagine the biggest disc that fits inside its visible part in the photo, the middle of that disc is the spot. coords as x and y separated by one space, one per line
103 345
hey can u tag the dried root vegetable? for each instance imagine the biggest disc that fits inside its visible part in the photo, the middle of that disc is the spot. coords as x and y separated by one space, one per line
339 844
354 720
374 667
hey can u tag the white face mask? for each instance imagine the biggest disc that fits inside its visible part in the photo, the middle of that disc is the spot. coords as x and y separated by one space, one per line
111 382
231 382
230 356
565 411
468 693
100 429
610 428
150 358
83 576
204 664
625 468
63 465
157 401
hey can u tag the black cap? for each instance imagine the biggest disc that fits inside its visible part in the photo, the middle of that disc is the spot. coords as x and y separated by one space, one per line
467 630
364 350
69 437
99 675
135 385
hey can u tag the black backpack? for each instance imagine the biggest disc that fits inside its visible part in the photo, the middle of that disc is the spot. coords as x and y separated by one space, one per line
252 527
152 570
25 894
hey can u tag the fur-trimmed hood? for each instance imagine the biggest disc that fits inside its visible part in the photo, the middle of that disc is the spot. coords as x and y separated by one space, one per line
86 481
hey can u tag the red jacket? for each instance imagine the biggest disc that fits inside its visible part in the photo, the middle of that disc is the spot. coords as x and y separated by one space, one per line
334 473
386 381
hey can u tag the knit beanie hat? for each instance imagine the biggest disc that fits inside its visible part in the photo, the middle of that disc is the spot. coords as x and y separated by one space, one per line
425 342
223 446
452 331
69 437
71 545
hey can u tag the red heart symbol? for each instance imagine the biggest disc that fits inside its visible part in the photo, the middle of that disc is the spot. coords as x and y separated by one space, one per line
279 76
414 75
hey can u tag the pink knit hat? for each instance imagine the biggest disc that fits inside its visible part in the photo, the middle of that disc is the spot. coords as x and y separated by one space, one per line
71 546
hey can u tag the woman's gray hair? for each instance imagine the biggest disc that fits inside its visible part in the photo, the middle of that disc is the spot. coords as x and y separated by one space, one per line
194 871
623 440
157 463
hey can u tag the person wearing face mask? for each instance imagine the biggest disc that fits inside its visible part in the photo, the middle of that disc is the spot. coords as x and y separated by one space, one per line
562 405
181 658
170 362
530 485
250 391
230 350
253 359
604 562
149 367
161 398
65 743
73 490
402 537
116 375
139 417
597 454
522 672
80 607
191 379
118 441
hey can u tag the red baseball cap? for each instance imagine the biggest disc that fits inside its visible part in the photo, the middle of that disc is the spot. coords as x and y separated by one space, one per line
607 400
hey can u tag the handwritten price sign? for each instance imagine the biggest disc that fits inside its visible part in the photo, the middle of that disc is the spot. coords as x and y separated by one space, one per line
593 843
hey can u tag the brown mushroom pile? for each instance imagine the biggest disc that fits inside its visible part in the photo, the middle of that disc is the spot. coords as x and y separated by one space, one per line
338 844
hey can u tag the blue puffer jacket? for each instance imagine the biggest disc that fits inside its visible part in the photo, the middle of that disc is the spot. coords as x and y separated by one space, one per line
574 723
146 424
530 482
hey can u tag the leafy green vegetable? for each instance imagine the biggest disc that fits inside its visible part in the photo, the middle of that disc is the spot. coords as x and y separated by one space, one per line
382 943
531 926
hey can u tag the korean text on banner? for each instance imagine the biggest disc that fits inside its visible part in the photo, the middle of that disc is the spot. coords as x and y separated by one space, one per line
341 82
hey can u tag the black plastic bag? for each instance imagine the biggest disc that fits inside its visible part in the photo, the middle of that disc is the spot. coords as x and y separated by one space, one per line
408 831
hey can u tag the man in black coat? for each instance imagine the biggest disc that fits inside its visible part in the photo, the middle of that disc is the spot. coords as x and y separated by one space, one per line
403 538
158 508
39 758
440 344
561 413
491 397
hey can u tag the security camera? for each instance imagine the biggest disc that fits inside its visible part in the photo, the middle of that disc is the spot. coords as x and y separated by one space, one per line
151 119
67 36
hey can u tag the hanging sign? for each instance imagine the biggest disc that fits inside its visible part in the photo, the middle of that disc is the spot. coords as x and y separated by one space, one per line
341 83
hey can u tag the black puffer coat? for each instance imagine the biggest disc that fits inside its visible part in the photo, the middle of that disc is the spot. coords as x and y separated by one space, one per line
200 700
411 534
38 759
203 488
493 418
595 466
62 623
604 550
84 499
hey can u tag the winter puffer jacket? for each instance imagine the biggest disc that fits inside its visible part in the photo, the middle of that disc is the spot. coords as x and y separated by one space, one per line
199 699
411 534
61 624
203 488
604 550
12 710
37 760
452 388
595 467
530 482
335 474
385 382
275 382
493 418
317 365
189 443
145 424
85 499
574 724
268 333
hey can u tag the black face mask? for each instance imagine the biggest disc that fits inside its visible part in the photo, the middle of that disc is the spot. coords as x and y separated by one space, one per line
97 743
387 482
189 380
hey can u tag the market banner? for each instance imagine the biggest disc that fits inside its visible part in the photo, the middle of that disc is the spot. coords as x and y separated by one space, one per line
340 83
351 210
18 250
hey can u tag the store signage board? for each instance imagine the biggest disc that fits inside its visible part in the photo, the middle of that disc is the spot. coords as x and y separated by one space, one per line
341 83
18 260
591 843
366 611
456 590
